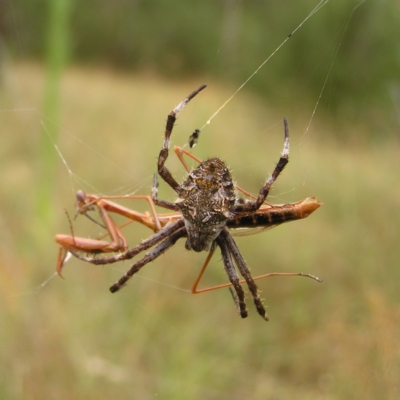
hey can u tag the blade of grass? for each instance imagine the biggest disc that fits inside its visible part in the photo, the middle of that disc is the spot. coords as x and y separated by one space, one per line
56 59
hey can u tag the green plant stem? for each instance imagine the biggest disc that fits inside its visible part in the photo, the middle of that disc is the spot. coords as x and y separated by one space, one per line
56 57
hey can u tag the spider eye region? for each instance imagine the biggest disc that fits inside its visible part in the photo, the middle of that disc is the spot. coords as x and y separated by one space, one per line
206 200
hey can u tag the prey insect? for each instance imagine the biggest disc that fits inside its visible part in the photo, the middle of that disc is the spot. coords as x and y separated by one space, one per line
206 212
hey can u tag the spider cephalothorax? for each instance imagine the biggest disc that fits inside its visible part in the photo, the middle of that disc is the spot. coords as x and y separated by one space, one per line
206 209
206 200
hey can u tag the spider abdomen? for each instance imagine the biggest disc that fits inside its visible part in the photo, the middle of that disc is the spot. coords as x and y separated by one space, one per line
206 199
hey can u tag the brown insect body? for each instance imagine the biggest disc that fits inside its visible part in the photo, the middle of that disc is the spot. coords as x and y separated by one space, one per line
271 216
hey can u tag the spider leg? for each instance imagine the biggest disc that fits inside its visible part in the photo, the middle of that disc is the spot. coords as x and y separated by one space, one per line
162 169
256 204
157 201
150 256
233 276
230 244
144 245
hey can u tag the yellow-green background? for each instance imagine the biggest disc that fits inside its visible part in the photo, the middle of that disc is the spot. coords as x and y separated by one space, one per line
72 339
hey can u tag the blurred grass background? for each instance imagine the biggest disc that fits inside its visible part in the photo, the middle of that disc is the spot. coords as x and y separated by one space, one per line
129 64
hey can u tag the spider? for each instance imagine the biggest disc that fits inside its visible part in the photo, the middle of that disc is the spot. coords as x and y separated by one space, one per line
206 209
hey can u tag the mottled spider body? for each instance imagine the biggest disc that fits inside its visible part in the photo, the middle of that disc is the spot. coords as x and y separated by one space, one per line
206 200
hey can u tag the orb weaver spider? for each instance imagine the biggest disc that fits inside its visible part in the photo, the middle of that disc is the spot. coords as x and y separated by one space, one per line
206 209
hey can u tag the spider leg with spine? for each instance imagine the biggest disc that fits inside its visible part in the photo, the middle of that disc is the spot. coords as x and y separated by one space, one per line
144 245
225 239
149 257
250 206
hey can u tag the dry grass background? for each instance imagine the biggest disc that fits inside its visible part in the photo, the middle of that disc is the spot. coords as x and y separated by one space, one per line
72 339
